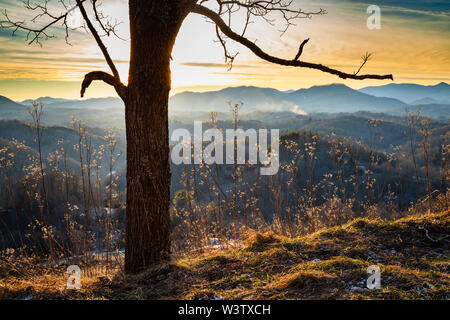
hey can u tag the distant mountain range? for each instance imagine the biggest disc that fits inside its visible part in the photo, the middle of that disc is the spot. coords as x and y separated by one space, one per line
412 93
100 112
332 98
332 109
335 98
10 109
44 100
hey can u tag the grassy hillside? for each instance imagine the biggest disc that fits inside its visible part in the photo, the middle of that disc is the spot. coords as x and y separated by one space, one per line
413 254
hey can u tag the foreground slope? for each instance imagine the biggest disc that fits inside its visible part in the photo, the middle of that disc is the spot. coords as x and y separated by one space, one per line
413 254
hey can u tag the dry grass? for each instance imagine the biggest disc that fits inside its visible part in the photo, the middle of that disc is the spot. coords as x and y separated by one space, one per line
413 255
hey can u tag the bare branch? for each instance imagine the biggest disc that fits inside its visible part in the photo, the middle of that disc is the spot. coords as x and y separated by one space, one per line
229 58
257 9
262 8
98 40
366 57
34 35
108 27
300 50
217 19
41 33
121 89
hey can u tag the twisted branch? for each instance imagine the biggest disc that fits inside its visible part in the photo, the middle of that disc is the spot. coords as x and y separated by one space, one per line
121 89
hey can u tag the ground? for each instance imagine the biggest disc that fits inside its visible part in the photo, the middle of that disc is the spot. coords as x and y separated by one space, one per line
413 254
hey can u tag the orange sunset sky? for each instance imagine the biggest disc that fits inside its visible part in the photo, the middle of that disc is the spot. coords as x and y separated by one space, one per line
413 44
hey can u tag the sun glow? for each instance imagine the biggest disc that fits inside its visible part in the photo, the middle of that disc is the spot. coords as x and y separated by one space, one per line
337 39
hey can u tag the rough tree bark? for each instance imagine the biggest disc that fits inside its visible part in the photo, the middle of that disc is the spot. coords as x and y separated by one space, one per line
154 26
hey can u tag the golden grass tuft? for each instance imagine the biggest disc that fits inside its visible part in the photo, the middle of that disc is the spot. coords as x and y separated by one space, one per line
257 242
310 280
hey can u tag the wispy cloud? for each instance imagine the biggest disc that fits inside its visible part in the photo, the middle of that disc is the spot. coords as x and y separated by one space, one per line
217 65
430 6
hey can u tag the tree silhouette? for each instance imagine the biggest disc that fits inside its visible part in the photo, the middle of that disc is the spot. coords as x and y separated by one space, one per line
154 26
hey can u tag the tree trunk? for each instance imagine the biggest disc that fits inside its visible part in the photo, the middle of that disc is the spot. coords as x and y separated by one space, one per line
153 29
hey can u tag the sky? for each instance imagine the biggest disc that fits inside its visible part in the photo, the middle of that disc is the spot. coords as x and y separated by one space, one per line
413 44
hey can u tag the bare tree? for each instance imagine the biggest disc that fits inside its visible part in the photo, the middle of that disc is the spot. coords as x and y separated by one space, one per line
154 26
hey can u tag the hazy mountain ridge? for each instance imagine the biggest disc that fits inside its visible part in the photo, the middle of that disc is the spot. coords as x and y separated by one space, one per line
332 98
254 98
340 98
10 109
24 132
44 100
190 106
411 93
